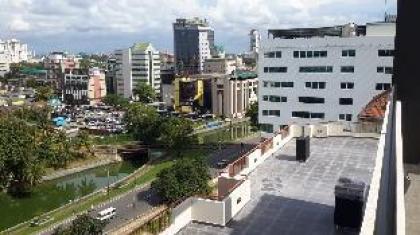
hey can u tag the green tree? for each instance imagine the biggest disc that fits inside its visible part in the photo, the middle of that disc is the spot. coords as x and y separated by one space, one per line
115 100
31 83
85 64
43 93
28 144
252 114
20 166
142 121
3 80
177 133
144 93
82 225
187 177
83 142
38 115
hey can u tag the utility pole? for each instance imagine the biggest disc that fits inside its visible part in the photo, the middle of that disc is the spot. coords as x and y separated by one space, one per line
107 170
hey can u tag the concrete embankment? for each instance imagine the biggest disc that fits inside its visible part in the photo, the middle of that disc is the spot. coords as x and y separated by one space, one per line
104 156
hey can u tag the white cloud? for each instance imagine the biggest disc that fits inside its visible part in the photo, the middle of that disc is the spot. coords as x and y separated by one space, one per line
230 18
17 24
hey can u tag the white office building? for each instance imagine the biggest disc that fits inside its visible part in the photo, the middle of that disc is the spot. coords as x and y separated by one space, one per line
323 74
139 63
12 51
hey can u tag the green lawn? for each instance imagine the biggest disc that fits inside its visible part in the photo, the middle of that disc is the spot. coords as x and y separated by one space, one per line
145 176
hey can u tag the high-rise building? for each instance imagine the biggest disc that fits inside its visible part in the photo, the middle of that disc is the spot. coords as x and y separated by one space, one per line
167 75
110 75
12 51
254 41
167 67
139 63
193 44
323 74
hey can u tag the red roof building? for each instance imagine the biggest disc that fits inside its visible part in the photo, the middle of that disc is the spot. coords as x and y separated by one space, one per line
375 110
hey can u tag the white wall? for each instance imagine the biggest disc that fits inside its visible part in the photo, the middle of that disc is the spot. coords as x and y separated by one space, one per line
237 200
319 131
381 29
181 216
254 159
336 129
333 129
209 211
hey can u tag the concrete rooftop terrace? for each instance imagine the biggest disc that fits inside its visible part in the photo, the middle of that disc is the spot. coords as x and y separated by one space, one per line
412 200
288 197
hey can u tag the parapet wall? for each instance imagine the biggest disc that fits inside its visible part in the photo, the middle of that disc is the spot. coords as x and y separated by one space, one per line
217 212
331 129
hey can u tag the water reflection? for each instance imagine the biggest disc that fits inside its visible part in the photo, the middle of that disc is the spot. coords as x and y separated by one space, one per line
228 134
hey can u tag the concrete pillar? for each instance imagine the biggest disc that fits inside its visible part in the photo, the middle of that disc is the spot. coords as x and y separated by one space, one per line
406 77
235 98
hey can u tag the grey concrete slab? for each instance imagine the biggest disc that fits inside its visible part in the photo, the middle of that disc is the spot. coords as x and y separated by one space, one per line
412 200
289 197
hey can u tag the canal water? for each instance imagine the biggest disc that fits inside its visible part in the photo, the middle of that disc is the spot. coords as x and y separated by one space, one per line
226 134
52 194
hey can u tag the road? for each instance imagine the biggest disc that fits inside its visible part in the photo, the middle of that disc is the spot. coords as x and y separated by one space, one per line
128 207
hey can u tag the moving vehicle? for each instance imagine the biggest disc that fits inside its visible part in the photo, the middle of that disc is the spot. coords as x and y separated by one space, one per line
106 214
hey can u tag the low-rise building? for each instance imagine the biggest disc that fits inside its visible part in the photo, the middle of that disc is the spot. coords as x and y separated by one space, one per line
220 65
82 88
192 94
97 85
75 88
167 76
232 94
57 65
227 95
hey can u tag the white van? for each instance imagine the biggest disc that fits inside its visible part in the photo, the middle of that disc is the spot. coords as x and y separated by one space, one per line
106 214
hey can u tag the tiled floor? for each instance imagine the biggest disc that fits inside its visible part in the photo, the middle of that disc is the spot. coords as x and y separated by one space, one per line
295 198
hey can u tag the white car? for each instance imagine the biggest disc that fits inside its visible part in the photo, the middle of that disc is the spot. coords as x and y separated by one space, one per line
106 214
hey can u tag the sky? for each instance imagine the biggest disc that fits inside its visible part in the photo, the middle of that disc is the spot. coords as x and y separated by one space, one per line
96 26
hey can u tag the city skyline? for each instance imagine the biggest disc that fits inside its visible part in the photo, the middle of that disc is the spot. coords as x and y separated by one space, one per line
73 25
